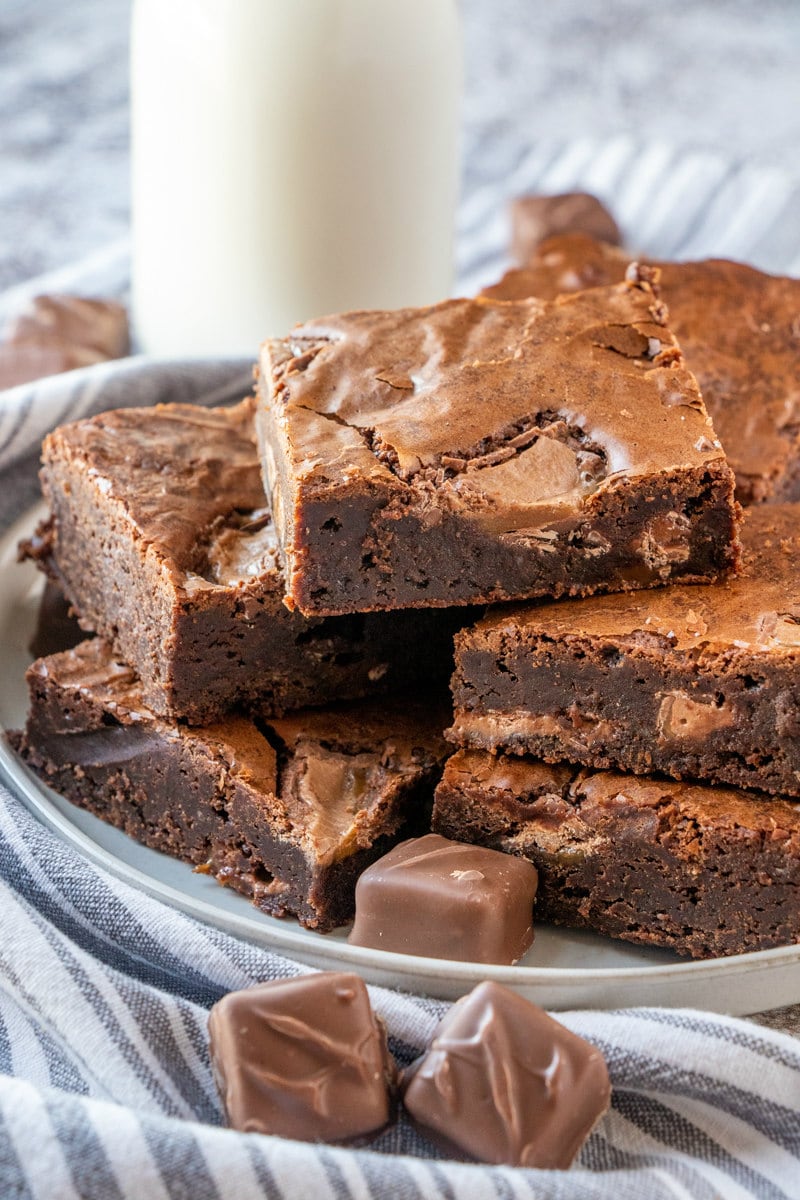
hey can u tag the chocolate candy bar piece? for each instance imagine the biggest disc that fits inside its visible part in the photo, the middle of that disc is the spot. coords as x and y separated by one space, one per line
504 1083
700 683
703 871
482 451
443 899
534 218
737 328
287 811
303 1058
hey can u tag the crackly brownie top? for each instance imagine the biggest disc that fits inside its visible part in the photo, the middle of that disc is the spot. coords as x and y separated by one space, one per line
328 776
758 611
516 412
187 479
739 329
565 262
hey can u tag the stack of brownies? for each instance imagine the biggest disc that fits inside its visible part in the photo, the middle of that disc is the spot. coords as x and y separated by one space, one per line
276 588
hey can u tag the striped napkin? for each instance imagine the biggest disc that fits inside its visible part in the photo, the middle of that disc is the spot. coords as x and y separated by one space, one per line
106 1090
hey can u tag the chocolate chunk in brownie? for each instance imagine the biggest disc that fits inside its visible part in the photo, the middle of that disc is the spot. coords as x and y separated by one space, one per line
288 811
161 539
699 683
699 870
480 451
483 902
535 218
738 329
303 1058
504 1083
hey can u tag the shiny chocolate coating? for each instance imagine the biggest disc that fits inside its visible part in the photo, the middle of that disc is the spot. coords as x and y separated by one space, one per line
504 1083
303 1058
443 899
534 218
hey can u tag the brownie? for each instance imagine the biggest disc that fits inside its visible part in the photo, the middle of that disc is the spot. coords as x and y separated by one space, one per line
562 263
100 325
738 328
22 362
699 870
58 333
699 683
288 811
483 451
535 218
162 542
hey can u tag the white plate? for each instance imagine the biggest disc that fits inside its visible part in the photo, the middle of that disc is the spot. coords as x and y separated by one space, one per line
564 969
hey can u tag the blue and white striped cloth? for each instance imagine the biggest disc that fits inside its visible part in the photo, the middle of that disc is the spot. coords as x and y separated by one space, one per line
106 1090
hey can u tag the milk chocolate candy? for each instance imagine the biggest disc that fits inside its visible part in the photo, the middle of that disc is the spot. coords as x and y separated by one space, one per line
534 218
303 1058
504 1083
443 899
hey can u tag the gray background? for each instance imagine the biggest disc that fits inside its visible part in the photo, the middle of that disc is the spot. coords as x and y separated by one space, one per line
692 72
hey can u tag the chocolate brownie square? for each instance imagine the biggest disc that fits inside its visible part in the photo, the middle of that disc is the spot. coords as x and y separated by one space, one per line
478 451
58 333
738 329
162 542
699 870
536 218
699 683
288 810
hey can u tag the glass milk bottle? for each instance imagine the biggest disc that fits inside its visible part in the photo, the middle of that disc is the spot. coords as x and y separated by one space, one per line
290 158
